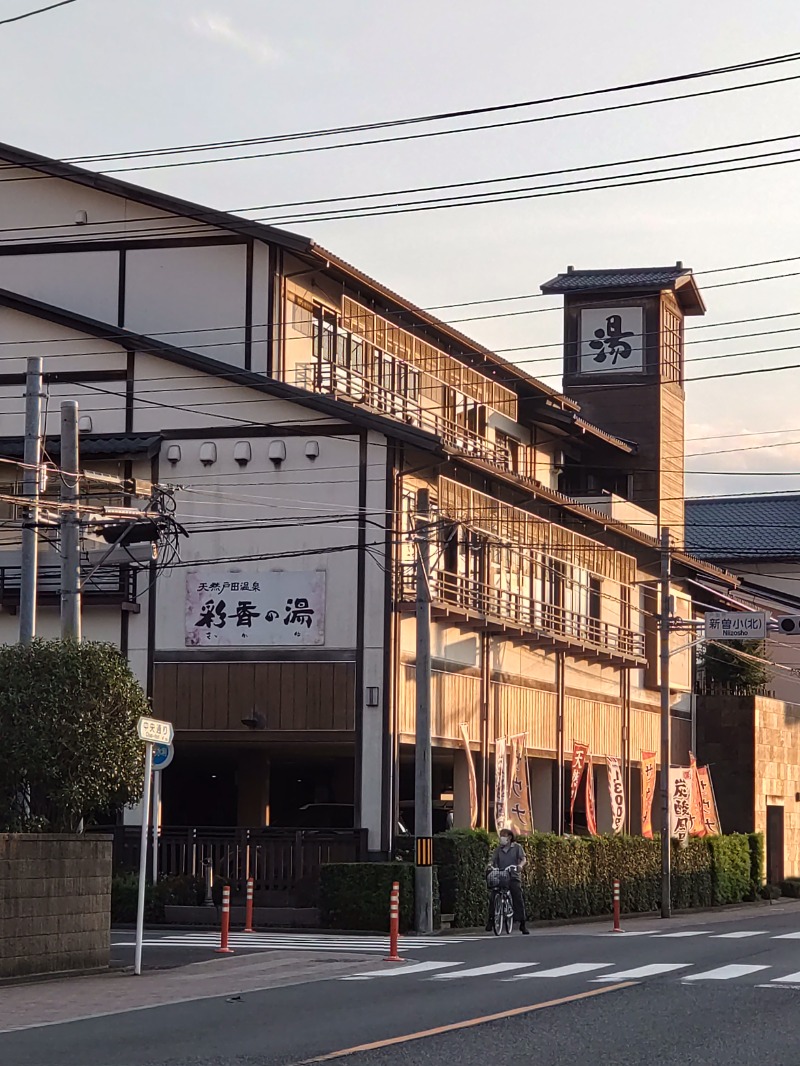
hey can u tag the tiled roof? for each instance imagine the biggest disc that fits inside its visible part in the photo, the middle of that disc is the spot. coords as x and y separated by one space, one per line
744 528
102 446
628 277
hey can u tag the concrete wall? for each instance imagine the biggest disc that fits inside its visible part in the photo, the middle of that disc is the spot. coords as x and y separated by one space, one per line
55 903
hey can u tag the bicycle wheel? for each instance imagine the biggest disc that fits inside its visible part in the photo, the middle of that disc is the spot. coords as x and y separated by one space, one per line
508 912
498 913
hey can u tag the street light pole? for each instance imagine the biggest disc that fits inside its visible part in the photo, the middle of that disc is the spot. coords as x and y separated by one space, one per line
666 725
70 524
31 487
423 799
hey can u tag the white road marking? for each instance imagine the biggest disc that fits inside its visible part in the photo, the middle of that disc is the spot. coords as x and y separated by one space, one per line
562 971
401 970
787 936
739 936
683 935
482 971
624 933
725 973
643 971
790 979
368 945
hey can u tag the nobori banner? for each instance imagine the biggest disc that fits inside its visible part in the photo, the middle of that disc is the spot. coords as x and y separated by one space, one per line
736 625
257 608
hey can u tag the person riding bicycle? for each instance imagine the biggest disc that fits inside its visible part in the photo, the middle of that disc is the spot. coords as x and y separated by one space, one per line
510 856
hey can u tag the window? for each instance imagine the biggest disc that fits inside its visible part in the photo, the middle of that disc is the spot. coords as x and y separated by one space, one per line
357 355
301 315
508 450
328 338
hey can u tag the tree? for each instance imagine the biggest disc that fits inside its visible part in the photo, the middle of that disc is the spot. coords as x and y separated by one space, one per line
68 743
726 671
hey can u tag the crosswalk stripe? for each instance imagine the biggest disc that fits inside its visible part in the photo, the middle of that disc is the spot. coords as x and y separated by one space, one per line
401 971
643 971
482 971
739 936
725 973
787 936
789 979
625 933
562 971
681 936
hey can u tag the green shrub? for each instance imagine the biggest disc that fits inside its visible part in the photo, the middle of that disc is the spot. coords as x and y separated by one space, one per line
355 895
757 852
770 892
572 877
186 891
791 887
461 857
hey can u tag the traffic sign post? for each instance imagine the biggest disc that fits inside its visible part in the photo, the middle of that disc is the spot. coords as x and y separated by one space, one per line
152 732
163 754
736 625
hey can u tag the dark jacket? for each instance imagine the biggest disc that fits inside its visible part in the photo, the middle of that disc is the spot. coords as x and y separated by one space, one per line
513 855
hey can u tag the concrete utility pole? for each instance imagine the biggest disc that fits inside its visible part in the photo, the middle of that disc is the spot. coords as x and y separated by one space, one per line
70 524
31 485
423 799
666 725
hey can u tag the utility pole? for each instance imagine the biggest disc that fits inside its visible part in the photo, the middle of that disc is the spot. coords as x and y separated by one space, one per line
31 485
666 725
70 524
423 800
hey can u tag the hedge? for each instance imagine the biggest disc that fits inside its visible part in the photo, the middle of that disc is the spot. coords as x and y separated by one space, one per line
757 855
186 891
355 895
569 877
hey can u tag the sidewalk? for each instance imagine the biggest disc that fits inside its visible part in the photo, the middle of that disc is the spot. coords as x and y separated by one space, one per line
74 999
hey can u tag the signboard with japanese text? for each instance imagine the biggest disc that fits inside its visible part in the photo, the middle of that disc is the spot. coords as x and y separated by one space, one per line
708 802
698 822
154 731
254 608
473 780
520 816
736 625
611 340
680 801
591 806
500 784
616 791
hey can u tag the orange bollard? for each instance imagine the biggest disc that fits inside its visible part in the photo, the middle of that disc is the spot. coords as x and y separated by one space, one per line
248 912
617 928
223 948
394 924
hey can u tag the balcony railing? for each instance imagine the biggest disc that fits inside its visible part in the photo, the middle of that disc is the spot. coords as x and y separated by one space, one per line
350 385
107 584
507 608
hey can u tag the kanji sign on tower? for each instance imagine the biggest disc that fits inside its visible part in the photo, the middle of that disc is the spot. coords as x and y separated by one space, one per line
736 625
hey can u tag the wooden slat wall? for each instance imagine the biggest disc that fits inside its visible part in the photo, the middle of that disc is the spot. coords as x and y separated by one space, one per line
290 695
455 698
526 710
645 733
594 723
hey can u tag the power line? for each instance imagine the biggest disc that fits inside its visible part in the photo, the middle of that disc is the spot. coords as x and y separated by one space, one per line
38 11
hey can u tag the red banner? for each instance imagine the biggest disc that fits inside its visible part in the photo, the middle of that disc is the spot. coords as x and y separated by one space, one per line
648 791
698 823
709 802
579 753
591 810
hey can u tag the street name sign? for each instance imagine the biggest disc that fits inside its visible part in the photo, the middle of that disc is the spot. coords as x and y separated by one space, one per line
736 625
152 731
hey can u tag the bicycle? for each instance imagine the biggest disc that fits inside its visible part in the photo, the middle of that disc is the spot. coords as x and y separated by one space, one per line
499 881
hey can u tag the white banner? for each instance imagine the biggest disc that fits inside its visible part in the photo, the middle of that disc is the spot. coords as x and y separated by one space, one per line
254 608
680 801
500 784
616 790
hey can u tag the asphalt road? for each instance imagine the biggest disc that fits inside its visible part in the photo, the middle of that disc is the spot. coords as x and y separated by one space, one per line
700 993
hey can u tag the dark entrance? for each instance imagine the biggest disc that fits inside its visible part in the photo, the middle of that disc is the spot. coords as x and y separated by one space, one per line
774 845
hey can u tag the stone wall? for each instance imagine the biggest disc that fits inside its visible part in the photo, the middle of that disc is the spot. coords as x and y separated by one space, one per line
55 903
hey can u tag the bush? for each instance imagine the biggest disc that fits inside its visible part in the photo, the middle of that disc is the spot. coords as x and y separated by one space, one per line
770 892
571 877
757 851
461 857
355 895
182 891
791 887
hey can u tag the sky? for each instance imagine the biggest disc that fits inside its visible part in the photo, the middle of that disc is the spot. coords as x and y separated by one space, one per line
100 76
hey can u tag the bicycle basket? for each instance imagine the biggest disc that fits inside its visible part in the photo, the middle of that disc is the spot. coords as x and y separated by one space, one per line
498 878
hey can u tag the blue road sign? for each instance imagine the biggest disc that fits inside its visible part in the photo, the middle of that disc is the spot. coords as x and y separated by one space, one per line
162 756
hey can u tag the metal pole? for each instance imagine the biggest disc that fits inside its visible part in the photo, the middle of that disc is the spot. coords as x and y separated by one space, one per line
156 806
423 800
70 524
30 488
148 773
666 726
